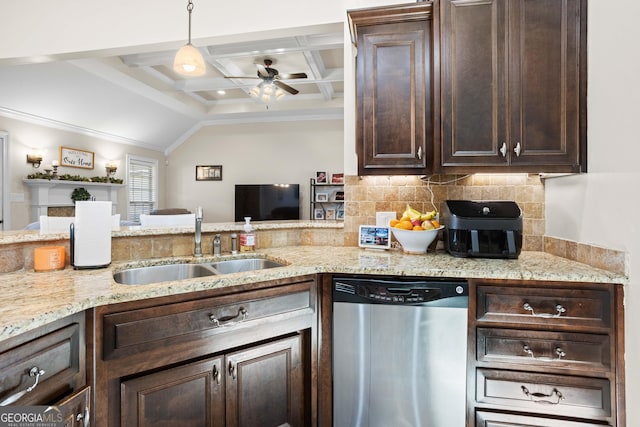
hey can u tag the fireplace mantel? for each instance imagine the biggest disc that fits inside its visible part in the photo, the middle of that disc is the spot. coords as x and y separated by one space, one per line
56 193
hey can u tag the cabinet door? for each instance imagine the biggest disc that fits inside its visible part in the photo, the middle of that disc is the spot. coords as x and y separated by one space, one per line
186 396
265 385
513 81
76 409
393 89
544 76
473 56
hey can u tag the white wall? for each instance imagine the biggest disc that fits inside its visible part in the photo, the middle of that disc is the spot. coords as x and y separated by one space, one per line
25 136
261 153
602 207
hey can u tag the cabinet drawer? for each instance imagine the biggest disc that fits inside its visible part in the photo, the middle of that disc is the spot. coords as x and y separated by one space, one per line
545 394
497 419
545 307
141 330
545 350
53 360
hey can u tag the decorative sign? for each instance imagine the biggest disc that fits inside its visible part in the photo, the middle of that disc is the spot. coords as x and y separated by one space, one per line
209 173
74 158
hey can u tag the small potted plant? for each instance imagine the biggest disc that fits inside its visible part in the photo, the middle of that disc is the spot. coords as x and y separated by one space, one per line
80 194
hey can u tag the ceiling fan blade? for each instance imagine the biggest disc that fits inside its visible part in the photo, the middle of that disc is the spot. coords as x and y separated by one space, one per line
286 87
262 70
294 76
241 77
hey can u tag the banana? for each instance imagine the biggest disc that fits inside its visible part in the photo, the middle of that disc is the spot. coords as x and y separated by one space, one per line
411 213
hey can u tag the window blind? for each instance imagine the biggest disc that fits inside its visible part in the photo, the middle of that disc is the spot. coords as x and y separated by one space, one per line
141 184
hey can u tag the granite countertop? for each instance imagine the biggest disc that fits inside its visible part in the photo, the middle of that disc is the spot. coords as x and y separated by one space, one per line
29 299
27 236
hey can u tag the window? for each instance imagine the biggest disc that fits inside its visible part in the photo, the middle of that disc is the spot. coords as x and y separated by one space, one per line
142 186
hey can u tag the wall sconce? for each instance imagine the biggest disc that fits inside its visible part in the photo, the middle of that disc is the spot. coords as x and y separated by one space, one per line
35 159
111 168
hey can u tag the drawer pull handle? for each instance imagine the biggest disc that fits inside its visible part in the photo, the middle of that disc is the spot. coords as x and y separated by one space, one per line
242 314
560 353
543 398
33 372
84 417
216 374
559 310
232 370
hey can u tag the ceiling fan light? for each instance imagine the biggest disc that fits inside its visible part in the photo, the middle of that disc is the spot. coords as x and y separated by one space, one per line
255 91
280 93
266 98
189 61
268 89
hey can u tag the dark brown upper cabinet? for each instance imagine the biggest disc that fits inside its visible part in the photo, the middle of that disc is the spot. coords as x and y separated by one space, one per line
513 86
394 125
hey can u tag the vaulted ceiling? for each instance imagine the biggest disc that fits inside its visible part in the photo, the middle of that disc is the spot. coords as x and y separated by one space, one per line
137 98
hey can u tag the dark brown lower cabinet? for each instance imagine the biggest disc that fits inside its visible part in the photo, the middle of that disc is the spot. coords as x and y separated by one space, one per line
257 386
545 354
228 357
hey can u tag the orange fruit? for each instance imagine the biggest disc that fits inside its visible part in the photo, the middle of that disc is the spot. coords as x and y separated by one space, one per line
404 225
435 223
393 222
418 228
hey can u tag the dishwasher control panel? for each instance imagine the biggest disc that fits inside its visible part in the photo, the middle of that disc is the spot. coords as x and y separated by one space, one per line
391 292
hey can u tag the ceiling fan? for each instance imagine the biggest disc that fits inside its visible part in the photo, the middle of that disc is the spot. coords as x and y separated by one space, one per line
271 76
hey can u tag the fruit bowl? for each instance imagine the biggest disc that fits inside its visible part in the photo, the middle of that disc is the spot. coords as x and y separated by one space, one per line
415 241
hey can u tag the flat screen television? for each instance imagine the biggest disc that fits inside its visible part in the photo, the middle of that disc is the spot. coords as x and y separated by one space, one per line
266 202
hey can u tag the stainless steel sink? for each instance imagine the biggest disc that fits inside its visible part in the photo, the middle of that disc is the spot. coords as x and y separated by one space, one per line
162 273
171 272
247 264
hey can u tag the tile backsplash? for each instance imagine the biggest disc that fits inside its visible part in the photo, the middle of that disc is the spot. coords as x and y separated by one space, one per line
364 196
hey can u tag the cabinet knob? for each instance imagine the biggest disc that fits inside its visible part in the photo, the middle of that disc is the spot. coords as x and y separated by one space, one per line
503 149
517 150
420 152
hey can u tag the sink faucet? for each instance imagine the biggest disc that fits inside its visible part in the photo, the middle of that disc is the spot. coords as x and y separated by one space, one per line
198 237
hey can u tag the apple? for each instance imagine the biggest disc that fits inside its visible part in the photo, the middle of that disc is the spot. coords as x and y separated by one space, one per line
427 225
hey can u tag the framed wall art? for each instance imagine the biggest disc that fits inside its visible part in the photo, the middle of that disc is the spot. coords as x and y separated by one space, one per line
75 158
209 173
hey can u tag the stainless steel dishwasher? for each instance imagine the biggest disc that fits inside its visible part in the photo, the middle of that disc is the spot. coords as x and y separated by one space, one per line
399 352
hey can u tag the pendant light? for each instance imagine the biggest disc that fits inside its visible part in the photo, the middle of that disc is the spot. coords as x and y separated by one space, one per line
188 60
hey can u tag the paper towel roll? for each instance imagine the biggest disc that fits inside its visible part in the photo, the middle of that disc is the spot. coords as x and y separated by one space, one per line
92 234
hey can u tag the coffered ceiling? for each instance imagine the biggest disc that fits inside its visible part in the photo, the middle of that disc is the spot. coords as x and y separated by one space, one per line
137 98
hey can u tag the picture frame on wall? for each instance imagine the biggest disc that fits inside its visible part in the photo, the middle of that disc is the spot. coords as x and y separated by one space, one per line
209 173
322 197
76 158
330 214
321 177
318 213
340 214
337 178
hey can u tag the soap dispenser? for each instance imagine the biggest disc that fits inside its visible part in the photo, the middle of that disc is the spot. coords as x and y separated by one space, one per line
248 238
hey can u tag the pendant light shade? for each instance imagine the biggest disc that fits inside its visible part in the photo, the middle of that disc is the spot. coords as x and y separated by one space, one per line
189 60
